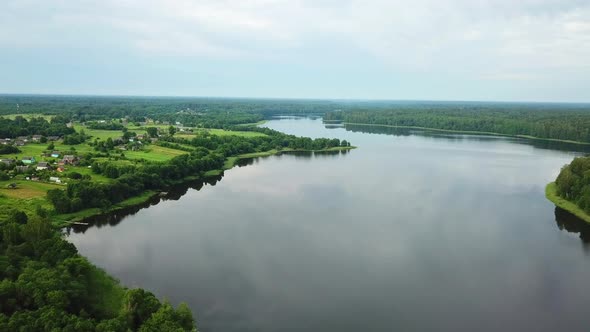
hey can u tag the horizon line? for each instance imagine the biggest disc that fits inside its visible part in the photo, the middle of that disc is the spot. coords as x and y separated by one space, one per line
2 94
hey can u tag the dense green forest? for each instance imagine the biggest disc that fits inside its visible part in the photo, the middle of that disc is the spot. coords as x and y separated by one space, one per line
552 121
12 128
47 286
573 183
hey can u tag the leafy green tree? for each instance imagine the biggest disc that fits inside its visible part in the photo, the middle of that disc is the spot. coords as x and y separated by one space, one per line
152 131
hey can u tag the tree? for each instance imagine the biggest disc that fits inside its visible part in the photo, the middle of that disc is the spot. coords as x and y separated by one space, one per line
18 217
60 200
51 146
152 131
171 130
139 305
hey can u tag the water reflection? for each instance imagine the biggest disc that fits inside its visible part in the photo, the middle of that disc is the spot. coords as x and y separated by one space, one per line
572 224
540 144
173 193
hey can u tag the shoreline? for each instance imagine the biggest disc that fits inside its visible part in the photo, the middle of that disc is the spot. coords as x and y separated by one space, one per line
471 132
69 219
571 207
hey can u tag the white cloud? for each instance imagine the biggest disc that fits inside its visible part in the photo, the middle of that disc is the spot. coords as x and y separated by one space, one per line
476 38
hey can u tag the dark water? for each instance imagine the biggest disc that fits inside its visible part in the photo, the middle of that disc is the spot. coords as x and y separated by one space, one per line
410 232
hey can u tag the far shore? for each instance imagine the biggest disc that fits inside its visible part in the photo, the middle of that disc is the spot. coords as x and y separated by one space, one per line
470 132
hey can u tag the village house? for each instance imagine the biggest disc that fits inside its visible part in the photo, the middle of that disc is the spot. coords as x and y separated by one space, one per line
19 142
70 159
5 141
28 160
55 154
22 169
43 166
8 162
52 138
36 138
22 138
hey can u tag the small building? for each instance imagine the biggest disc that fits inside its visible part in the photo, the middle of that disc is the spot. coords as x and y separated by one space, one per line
36 138
22 138
7 162
42 166
54 179
60 169
53 138
55 154
22 169
28 160
19 142
70 159
4 141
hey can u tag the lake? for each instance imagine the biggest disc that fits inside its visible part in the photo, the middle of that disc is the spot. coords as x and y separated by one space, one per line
412 231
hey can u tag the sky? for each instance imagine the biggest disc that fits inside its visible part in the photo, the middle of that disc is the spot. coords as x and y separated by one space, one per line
495 50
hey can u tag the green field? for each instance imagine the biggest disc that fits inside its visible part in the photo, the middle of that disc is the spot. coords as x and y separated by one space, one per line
571 207
105 134
154 153
221 132
26 189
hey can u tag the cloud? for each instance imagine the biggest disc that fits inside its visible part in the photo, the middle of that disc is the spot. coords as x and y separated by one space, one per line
472 39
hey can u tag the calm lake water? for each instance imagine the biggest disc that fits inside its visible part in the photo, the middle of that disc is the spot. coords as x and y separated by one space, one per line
410 232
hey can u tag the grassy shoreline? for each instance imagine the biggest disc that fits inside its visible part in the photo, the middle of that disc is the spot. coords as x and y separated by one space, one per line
469 132
64 220
571 207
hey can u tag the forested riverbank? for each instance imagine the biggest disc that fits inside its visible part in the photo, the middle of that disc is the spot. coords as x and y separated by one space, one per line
562 122
571 189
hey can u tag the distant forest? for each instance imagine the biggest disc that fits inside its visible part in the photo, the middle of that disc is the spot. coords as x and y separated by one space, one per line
551 121
561 121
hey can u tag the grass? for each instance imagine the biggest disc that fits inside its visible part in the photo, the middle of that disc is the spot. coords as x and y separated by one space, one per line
104 134
27 189
155 153
222 132
551 194
27 205
254 124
